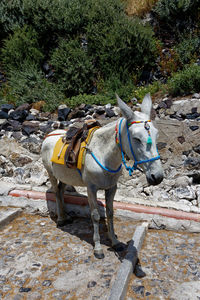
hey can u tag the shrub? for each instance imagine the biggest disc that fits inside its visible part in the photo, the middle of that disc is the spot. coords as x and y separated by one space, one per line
89 99
114 85
28 86
21 46
73 67
118 44
188 49
176 15
140 92
11 16
185 82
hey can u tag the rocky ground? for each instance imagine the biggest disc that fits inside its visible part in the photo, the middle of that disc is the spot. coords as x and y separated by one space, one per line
23 129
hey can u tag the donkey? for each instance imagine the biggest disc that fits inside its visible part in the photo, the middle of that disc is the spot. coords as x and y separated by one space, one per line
133 136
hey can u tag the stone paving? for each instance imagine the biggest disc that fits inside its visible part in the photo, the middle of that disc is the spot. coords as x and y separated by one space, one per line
170 260
40 261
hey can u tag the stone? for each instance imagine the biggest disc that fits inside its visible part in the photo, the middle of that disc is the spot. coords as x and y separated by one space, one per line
76 113
187 290
22 107
29 127
63 113
7 107
109 113
193 128
197 149
18 115
30 117
46 283
24 289
186 192
91 284
3 114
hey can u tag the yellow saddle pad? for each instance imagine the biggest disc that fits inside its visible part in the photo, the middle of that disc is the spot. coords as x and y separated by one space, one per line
60 148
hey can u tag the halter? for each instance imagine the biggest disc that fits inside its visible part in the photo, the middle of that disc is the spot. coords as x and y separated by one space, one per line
149 141
119 142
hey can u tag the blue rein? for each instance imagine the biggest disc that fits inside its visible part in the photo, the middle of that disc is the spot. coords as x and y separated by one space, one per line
128 168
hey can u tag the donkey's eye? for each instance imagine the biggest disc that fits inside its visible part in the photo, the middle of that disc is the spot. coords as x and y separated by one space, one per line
137 140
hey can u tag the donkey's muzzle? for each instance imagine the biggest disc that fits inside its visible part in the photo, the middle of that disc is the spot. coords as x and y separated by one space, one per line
154 179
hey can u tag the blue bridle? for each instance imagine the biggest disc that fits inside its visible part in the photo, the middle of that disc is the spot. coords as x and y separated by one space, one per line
136 163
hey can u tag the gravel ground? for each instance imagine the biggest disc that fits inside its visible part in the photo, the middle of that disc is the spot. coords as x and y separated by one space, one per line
171 261
40 261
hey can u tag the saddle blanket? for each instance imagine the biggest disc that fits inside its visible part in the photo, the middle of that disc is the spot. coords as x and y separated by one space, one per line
60 148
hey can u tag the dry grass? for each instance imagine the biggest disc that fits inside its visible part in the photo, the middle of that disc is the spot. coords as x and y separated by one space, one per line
139 7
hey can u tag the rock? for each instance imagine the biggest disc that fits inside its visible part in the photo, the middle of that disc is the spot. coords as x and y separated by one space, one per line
29 127
197 149
193 128
91 284
18 115
63 113
196 96
109 113
7 107
182 181
181 139
161 145
24 289
30 117
3 114
186 192
46 283
32 144
18 160
100 110
22 107
187 290
76 113
116 110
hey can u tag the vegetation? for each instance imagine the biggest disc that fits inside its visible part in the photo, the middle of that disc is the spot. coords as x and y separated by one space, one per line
93 45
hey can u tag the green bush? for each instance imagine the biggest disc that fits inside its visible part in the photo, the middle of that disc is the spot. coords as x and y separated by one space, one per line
28 86
89 99
11 16
188 49
185 82
119 44
113 85
73 67
140 92
21 46
176 15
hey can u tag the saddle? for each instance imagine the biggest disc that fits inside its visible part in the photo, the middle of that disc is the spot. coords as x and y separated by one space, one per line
69 149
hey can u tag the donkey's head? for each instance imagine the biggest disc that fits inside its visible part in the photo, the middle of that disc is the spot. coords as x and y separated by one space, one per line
138 140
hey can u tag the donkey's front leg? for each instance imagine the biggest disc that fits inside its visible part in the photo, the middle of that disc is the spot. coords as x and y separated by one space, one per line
63 218
92 199
109 195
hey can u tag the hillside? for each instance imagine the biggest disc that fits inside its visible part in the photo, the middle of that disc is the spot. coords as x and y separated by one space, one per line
56 52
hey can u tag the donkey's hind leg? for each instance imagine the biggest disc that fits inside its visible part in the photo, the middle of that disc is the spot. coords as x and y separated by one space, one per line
109 195
63 218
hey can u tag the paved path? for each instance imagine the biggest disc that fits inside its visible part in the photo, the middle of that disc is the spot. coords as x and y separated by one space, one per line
171 261
40 261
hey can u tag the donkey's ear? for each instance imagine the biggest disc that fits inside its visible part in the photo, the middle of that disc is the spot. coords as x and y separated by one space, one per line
125 109
146 104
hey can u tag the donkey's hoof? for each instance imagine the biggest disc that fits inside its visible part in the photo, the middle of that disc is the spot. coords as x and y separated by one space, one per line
62 223
118 247
99 254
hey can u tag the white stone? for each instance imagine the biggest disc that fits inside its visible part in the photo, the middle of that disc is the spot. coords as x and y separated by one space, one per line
187 290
